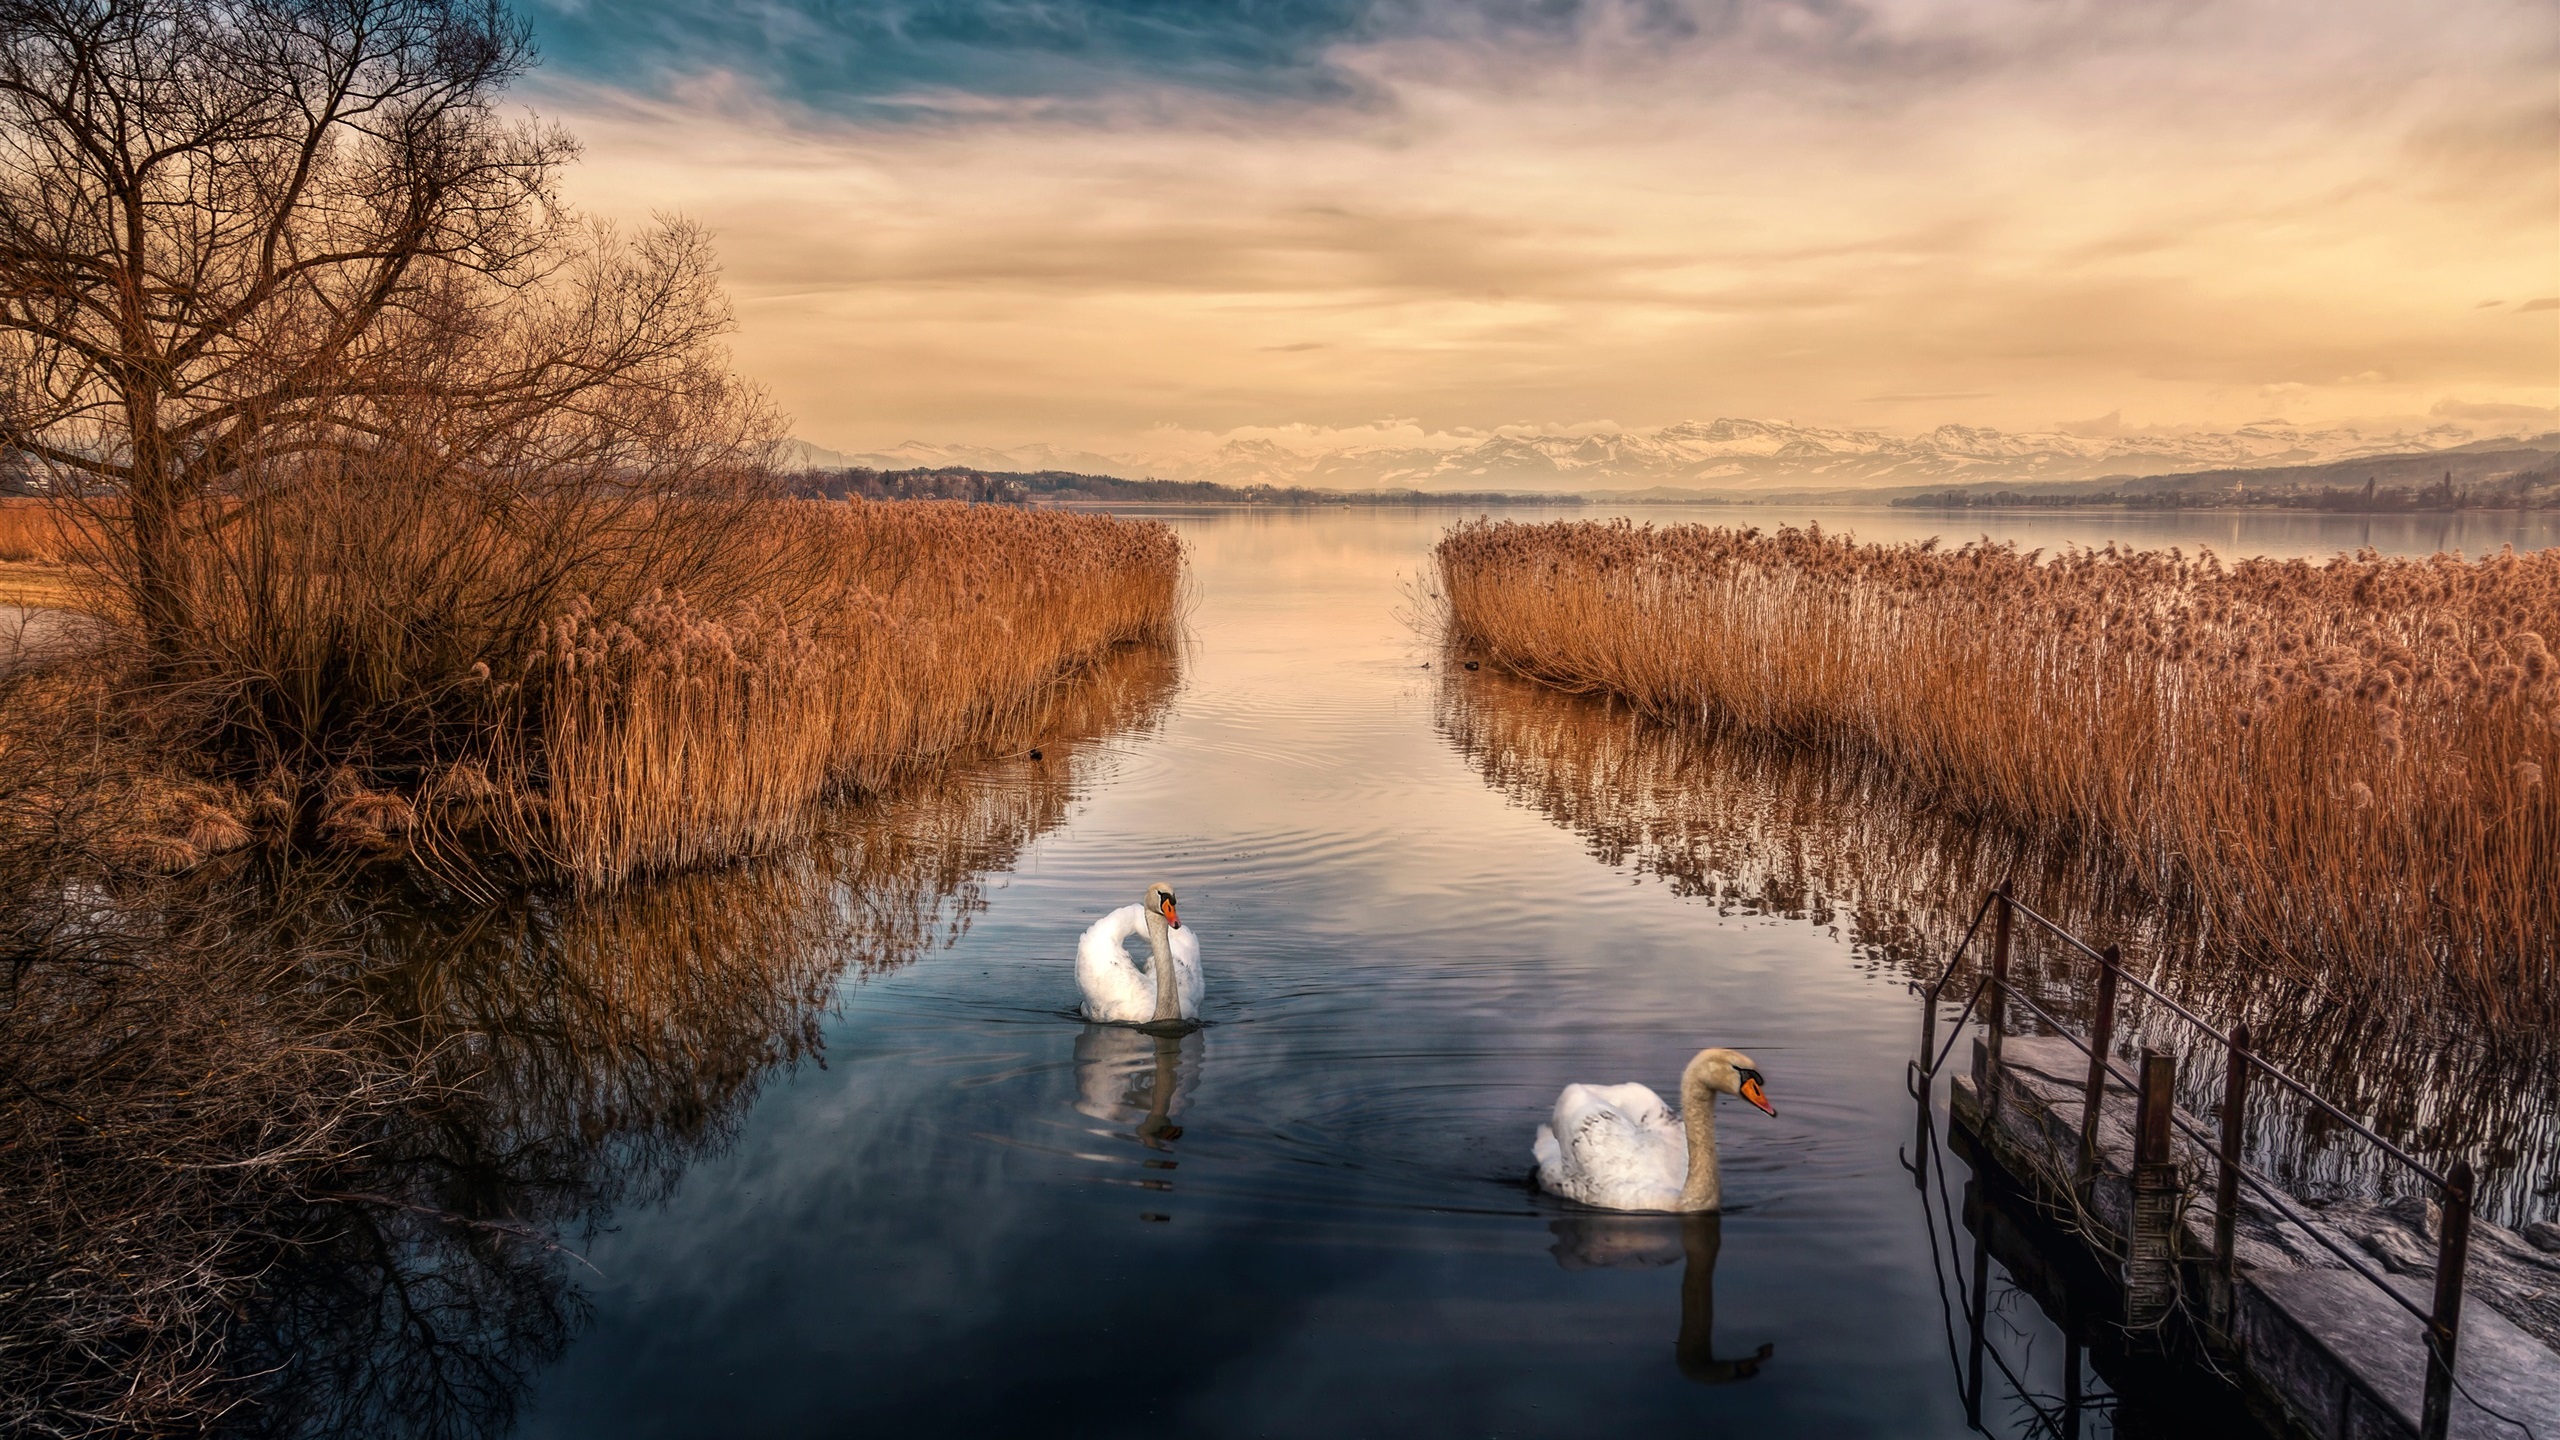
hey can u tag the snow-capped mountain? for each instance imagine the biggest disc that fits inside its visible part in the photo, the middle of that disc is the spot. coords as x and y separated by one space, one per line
1728 454
918 455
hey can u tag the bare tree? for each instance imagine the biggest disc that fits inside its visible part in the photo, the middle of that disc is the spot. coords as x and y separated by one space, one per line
237 232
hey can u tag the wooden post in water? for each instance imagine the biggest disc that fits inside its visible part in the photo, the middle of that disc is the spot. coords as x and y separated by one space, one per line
1999 997
2102 1039
1976 1312
2150 1276
1922 1077
2226 1180
2071 1387
2444 1326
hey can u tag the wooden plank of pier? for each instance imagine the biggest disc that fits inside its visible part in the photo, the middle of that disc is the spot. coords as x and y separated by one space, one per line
2336 1355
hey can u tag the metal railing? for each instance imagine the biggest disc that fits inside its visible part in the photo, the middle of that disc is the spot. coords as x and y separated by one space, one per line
2156 1113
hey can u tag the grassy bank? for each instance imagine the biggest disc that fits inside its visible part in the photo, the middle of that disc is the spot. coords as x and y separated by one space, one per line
2342 764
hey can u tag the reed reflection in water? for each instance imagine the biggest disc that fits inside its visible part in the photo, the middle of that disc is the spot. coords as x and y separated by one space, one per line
586 1053
1760 829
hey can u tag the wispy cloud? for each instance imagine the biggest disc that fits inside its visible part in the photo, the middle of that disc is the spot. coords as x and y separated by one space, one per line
1076 220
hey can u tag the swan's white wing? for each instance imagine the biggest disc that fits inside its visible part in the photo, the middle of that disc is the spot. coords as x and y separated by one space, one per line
1614 1146
1115 989
1190 982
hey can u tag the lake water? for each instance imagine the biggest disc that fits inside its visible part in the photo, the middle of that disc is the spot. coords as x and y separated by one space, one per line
980 1215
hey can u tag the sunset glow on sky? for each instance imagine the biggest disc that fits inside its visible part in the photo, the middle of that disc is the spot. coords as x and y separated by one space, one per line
1152 224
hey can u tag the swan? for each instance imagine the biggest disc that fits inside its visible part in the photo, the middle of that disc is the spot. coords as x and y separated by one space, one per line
1616 1147
1167 992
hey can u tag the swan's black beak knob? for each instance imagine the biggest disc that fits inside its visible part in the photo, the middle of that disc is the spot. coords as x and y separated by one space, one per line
1752 1092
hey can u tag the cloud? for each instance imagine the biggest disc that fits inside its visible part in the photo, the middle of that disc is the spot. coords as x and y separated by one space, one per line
2547 302
2452 409
1080 221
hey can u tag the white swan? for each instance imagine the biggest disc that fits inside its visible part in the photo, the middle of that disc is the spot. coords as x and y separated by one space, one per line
1166 992
1616 1147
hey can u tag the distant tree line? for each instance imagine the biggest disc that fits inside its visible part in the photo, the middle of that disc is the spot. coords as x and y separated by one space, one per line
2537 489
1064 487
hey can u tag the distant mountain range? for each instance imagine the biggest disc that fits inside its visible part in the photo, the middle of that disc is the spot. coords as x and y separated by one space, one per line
1732 457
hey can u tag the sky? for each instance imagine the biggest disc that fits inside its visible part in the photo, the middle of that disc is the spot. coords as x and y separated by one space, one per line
1158 224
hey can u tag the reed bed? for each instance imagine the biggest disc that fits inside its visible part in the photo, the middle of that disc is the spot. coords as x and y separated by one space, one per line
2340 766
36 532
674 736
38 551
604 686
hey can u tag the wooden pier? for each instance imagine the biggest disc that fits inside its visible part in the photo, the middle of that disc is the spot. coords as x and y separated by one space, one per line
2353 1320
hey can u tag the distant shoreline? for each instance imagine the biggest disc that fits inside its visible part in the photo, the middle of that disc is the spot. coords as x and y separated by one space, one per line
2518 477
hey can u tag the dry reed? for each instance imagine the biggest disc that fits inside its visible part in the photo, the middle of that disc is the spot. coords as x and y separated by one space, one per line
437 666
37 532
673 736
39 548
2341 765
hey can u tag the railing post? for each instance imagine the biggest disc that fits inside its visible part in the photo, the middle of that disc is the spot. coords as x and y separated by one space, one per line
2102 1039
2226 1183
1976 1312
1923 1072
1998 1025
2071 1387
2150 1278
2444 1327
1920 1094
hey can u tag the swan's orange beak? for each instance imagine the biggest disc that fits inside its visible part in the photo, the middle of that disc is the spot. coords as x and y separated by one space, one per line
1170 918
1752 1092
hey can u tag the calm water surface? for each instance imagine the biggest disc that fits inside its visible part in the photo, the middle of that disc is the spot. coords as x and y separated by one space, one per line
1309 1218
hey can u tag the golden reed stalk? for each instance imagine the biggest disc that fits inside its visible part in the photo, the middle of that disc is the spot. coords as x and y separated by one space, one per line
32 531
615 687
2343 764
915 632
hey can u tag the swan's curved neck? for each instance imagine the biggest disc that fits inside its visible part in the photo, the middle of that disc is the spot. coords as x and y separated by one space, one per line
1704 1189
1168 994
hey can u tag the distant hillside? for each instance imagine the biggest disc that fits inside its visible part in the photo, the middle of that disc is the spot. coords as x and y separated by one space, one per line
1739 458
2490 475
1065 487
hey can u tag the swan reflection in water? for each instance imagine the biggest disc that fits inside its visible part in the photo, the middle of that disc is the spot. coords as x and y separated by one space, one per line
1643 1242
1141 1080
